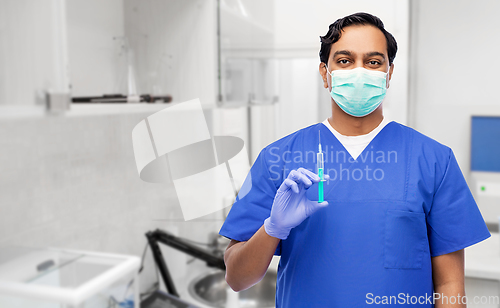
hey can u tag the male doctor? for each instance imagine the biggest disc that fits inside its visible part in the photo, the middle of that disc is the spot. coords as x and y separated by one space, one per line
398 212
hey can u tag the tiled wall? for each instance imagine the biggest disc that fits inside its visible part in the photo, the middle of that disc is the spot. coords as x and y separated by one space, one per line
72 182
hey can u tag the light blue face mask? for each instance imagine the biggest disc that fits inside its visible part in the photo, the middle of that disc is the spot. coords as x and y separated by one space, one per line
358 91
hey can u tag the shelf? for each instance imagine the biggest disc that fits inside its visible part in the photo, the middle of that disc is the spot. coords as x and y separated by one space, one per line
77 110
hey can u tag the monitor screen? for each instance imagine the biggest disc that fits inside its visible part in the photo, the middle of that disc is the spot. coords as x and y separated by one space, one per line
485 144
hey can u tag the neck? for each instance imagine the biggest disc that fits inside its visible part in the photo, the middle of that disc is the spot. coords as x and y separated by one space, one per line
348 125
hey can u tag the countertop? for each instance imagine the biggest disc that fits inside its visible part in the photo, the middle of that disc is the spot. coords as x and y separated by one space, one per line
482 260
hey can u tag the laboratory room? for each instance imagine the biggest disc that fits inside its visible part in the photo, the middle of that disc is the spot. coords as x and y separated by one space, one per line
249 153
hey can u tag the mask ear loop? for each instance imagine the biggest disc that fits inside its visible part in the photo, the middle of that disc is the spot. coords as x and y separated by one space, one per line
327 70
387 83
329 73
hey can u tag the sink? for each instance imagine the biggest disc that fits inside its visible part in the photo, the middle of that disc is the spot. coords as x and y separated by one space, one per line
210 289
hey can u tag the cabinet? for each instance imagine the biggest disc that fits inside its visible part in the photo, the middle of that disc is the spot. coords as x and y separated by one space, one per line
247 66
482 273
33 54
87 47
482 293
175 47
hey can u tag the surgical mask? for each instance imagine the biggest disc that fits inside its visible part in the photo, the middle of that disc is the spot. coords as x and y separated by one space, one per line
358 91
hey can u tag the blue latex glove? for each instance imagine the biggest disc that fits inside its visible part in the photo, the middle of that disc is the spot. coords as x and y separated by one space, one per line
291 206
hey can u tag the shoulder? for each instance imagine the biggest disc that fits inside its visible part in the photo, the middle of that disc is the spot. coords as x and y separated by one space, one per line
423 144
289 143
427 157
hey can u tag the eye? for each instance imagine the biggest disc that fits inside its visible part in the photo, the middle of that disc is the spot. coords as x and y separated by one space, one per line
343 61
374 62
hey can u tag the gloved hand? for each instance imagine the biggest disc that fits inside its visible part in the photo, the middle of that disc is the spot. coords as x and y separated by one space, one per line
291 206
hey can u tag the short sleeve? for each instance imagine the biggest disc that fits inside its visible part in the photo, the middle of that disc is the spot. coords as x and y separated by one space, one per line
454 220
252 206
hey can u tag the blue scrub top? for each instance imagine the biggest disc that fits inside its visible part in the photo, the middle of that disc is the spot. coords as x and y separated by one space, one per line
401 202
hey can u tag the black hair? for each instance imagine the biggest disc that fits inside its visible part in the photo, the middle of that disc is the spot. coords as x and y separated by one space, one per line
335 32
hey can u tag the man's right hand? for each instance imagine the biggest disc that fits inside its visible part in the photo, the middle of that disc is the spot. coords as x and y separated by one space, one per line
291 206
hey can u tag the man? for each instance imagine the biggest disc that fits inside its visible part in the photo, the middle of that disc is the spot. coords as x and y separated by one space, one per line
398 212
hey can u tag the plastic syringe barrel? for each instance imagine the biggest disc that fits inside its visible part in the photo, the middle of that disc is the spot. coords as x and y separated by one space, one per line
320 166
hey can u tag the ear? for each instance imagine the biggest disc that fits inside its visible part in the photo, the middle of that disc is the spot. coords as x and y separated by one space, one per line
391 69
324 74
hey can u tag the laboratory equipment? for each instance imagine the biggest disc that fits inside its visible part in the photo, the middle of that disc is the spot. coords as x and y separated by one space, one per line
208 288
485 148
50 277
160 236
485 167
320 167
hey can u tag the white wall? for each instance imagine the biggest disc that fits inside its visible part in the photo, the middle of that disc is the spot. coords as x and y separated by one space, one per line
298 95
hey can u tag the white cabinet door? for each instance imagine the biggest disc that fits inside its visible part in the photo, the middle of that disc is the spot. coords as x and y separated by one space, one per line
482 293
248 69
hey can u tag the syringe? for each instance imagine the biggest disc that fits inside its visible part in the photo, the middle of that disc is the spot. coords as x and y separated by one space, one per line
320 166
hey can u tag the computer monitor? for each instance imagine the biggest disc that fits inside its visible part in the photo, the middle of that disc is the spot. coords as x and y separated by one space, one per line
485 167
485 144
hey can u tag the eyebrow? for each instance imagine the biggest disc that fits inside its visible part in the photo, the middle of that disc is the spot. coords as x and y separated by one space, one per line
350 53
342 52
375 53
